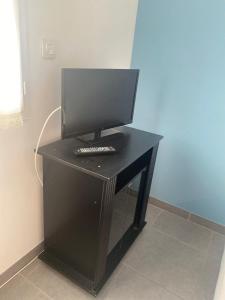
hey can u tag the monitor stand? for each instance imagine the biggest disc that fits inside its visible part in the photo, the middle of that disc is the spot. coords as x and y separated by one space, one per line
99 137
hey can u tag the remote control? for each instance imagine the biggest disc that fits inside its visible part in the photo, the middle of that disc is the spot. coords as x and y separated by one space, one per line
88 151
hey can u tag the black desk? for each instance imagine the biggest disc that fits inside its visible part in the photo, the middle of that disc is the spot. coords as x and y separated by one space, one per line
94 207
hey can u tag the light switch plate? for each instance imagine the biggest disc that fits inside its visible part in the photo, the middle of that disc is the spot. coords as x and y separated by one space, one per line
48 49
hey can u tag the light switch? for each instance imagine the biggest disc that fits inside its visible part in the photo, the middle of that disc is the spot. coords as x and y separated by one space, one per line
48 49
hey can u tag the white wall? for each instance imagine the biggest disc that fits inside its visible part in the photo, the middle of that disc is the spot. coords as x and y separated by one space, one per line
88 33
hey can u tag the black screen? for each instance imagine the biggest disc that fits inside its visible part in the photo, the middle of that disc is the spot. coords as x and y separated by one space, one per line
97 99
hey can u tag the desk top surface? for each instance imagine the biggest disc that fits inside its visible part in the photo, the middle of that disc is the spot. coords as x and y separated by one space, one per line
130 147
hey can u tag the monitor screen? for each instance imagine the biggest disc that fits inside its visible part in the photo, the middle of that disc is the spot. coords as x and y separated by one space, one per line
97 99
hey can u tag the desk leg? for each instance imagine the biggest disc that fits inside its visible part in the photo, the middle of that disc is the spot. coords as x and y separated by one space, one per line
105 225
147 183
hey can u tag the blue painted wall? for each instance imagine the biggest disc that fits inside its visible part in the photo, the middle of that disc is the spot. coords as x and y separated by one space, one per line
180 48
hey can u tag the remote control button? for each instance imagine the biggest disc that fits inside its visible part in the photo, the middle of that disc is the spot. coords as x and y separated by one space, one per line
95 150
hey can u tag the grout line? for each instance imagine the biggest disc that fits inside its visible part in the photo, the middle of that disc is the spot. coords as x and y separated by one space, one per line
157 216
37 287
199 252
148 279
178 240
18 272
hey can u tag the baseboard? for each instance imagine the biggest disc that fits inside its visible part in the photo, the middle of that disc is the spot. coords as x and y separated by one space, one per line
175 210
20 264
187 215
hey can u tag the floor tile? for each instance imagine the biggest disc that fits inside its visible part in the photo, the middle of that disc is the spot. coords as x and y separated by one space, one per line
172 259
166 261
130 285
217 244
57 286
53 283
19 289
192 234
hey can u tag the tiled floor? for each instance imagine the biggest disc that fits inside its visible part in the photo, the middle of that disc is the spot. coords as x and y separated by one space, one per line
172 259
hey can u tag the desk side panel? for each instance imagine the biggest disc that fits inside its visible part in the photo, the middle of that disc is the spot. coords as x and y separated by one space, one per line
72 205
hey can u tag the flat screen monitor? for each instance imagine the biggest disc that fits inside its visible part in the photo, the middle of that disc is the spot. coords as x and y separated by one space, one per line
97 99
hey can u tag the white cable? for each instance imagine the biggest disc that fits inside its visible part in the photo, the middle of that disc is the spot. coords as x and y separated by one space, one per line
39 140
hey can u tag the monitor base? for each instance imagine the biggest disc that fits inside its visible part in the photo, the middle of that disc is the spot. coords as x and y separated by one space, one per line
99 137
